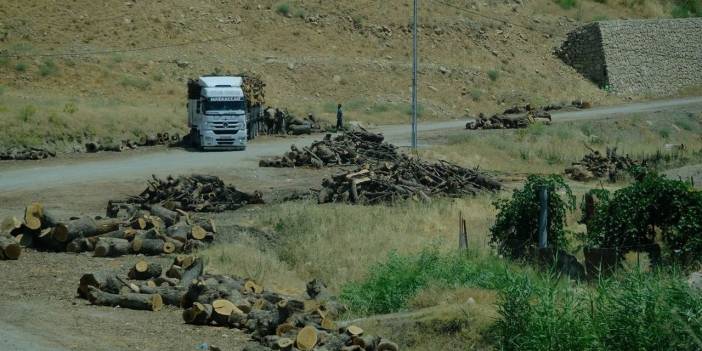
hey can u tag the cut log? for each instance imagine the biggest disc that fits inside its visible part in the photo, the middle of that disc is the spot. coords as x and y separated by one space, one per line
151 247
307 338
284 328
198 233
354 330
175 272
171 295
160 281
193 272
111 247
169 217
25 239
222 311
33 215
146 302
386 345
198 314
251 287
327 324
85 227
9 248
10 226
184 261
179 232
105 281
80 245
143 270
284 344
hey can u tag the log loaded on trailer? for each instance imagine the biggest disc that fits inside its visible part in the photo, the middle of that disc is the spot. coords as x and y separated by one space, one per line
224 111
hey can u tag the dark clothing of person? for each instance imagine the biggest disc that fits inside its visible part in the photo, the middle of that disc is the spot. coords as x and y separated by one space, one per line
280 122
339 119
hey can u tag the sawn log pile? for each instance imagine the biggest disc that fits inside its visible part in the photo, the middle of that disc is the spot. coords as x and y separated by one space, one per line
351 148
26 153
523 116
196 193
405 178
596 165
149 230
275 321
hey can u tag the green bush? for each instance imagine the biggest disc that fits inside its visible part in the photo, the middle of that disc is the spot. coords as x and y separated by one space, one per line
283 8
687 8
516 227
390 285
21 67
653 206
47 68
134 82
493 74
637 312
566 4
26 113
475 94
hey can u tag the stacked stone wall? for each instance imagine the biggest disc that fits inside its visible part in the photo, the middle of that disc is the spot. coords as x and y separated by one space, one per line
638 57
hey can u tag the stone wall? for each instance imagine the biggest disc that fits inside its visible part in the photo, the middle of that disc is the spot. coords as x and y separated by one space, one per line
638 57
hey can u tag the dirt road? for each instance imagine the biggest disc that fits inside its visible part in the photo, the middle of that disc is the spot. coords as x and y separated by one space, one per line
175 161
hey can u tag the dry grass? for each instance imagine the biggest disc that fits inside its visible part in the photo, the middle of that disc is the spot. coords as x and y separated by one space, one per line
549 149
338 243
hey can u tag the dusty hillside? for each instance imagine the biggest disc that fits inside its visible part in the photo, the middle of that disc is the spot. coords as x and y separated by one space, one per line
84 69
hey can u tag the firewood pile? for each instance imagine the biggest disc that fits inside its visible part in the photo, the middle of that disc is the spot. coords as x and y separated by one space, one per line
26 153
350 148
308 125
195 193
522 116
163 138
275 321
151 230
403 179
596 165
10 248
254 89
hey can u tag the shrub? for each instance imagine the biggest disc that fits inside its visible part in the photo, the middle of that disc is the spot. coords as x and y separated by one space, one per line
633 216
26 113
637 312
390 285
475 94
493 74
687 8
47 68
4 60
70 108
283 8
21 67
566 4
516 226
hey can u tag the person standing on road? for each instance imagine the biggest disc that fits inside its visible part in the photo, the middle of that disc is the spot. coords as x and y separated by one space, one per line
280 121
339 118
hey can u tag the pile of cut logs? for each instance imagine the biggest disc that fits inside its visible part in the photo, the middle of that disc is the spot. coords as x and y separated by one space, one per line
254 89
308 125
26 153
164 138
195 193
596 165
512 118
406 178
10 248
151 230
350 148
275 321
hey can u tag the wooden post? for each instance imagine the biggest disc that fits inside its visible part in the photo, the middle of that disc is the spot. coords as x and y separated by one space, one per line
543 217
462 233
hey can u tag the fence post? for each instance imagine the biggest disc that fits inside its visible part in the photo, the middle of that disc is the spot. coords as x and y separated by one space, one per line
462 233
543 217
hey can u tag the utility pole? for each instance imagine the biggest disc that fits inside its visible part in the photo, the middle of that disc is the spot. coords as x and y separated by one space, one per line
414 77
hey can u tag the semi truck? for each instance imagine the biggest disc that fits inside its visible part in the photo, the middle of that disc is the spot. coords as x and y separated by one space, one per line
224 111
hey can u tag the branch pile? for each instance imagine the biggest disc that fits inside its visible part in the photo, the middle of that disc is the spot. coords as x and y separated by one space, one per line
26 153
522 116
151 230
350 148
275 321
254 89
403 179
596 165
196 193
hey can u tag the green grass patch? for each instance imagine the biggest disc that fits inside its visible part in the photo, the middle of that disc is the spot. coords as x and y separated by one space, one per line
639 311
390 285
135 82
48 68
566 4
283 8
26 113
21 67
4 61
493 74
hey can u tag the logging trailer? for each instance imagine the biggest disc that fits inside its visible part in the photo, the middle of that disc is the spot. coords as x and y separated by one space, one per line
224 111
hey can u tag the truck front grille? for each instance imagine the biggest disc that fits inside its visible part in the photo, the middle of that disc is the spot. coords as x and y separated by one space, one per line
225 131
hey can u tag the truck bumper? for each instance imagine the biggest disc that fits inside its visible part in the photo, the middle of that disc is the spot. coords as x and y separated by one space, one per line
211 141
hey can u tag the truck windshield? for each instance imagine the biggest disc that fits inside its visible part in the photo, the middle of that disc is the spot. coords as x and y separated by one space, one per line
223 105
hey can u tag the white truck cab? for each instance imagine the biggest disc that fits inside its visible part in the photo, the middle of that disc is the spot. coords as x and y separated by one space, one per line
217 113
